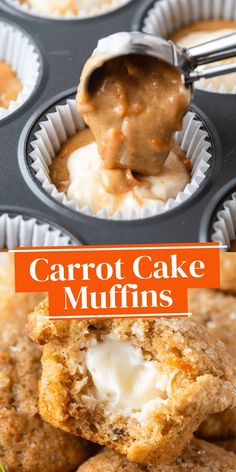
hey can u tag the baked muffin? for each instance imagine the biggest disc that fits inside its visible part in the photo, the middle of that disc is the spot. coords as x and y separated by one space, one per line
27 443
228 272
199 456
140 387
217 311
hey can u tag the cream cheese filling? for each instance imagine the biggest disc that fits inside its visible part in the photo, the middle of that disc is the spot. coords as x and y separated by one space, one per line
122 380
86 188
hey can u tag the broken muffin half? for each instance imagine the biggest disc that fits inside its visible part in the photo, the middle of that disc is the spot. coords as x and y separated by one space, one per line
141 387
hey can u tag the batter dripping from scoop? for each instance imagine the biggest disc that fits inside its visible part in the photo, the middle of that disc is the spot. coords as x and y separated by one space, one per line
133 107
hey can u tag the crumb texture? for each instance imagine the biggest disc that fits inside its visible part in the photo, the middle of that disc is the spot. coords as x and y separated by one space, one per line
201 382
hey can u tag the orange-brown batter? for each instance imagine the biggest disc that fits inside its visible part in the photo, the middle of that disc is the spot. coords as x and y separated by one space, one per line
133 107
10 85
58 170
114 181
209 25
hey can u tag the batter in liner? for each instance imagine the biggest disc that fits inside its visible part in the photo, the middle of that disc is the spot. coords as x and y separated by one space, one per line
133 108
10 85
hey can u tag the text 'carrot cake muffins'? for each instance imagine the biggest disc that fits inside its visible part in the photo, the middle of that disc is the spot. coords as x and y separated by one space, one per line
139 387
193 22
199 456
27 443
19 68
67 9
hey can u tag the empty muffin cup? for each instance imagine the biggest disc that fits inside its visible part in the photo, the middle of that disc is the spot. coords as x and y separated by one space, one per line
224 226
67 9
166 17
17 230
65 121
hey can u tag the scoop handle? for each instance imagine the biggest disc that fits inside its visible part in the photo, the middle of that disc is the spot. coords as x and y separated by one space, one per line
218 49
211 72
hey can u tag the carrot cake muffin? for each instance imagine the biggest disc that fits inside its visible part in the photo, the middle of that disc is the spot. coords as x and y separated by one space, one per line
27 443
201 32
141 387
217 311
199 456
228 272
10 85
128 158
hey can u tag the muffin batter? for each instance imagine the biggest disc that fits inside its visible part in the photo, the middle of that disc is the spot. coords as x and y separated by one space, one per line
201 32
134 106
140 387
79 171
50 7
10 85
199 456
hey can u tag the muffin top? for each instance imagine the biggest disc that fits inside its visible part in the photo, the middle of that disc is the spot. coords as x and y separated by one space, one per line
199 456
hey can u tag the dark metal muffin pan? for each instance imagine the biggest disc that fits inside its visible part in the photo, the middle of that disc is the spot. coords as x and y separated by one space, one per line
39 220
64 47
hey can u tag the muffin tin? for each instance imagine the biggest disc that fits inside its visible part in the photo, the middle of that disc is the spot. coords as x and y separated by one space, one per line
63 47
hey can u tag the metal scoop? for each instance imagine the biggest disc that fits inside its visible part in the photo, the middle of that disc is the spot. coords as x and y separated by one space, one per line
186 60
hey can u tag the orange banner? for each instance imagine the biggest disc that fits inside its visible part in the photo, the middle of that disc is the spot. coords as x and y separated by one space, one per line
118 281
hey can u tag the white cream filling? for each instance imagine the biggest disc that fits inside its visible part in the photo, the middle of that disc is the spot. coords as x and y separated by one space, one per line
123 381
63 6
86 190
200 37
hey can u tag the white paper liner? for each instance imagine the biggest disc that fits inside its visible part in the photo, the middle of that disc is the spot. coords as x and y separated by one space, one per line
224 228
19 231
19 53
66 120
167 16
92 12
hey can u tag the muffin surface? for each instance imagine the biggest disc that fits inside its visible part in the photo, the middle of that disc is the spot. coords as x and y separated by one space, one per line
10 85
216 310
199 456
27 443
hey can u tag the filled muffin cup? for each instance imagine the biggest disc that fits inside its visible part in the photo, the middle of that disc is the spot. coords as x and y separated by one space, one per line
65 121
93 8
224 226
17 230
17 51
166 17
